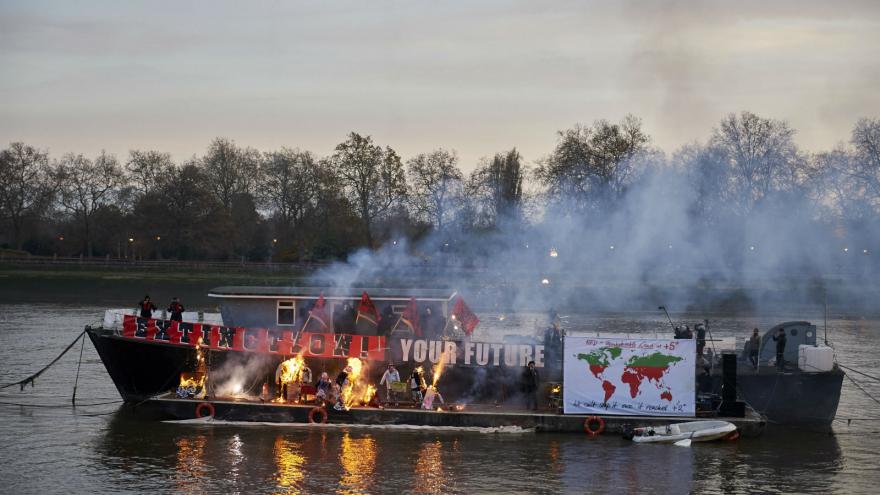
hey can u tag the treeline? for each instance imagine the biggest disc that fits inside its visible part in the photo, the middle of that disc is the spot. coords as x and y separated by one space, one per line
236 202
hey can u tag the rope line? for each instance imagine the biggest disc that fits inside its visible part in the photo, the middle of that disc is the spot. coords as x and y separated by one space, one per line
30 379
58 405
862 389
859 372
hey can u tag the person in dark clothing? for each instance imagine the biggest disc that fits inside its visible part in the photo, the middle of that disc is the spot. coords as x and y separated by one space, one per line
687 333
176 309
341 383
431 324
701 338
780 339
754 348
387 321
146 307
677 332
530 381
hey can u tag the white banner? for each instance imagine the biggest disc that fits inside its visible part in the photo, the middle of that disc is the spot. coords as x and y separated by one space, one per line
647 377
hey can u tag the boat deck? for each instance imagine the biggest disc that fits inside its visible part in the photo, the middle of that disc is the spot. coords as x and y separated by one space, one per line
485 416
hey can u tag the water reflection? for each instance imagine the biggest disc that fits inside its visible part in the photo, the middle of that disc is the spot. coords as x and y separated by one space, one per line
236 457
190 468
429 475
290 463
358 459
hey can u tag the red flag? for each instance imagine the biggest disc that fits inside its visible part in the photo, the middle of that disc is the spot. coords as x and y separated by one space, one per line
462 313
367 310
318 313
410 317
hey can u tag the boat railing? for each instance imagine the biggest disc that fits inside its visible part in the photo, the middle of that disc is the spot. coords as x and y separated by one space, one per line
113 317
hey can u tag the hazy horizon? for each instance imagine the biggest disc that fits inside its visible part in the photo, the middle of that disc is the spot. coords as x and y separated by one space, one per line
479 78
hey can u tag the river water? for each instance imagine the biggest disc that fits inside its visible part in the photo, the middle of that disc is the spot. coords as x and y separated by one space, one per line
46 446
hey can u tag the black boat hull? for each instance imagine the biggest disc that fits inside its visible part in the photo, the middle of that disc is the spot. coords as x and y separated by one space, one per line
140 370
806 399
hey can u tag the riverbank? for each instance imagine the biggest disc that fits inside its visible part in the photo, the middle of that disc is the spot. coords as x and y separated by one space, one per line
115 282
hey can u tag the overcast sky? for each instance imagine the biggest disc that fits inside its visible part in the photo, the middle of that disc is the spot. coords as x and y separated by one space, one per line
477 76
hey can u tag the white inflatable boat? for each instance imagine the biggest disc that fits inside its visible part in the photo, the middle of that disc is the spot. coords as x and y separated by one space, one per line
696 431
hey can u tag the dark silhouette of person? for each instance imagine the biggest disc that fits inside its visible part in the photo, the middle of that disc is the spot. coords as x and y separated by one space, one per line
701 338
754 348
176 309
530 381
387 321
780 339
147 307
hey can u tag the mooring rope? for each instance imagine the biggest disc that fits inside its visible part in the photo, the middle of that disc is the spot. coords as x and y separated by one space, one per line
859 372
21 404
33 377
862 389
78 364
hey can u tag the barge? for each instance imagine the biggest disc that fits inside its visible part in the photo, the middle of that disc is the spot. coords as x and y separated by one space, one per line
225 363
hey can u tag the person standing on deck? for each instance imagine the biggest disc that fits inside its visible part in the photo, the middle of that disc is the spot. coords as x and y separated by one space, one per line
416 383
390 376
341 382
754 348
530 381
146 307
176 310
323 387
780 339
701 338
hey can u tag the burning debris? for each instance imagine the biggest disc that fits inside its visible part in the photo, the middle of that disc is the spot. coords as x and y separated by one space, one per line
290 376
353 389
192 385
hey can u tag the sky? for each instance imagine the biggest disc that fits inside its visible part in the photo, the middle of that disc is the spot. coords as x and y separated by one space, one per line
478 77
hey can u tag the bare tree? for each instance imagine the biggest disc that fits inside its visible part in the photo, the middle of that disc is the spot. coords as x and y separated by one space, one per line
145 169
593 165
847 179
436 185
289 184
26 186
373 178
86 186
866 164
496 189
760 155
230 170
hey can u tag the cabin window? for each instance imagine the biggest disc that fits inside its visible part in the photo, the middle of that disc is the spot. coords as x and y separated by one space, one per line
286 313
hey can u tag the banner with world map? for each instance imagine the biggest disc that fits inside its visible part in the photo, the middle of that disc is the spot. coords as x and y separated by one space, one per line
648 377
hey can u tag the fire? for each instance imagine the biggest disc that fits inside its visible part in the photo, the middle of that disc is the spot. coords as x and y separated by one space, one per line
556 389
438 369
368 395
188 380
354 389
291 370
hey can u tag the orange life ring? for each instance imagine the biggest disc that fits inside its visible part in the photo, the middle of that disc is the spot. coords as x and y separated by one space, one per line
588 425
318 410
202 406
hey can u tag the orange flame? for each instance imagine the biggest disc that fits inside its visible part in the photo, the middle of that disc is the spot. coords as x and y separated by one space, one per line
350 391
438 368
291 370
368 394
192 380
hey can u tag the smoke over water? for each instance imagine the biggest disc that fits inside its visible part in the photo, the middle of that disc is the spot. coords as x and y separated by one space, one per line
668 240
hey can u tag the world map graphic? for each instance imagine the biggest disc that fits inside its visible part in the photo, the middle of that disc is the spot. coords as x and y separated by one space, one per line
637 370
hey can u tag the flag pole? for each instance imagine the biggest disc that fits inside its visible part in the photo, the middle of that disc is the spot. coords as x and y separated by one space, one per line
396 324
